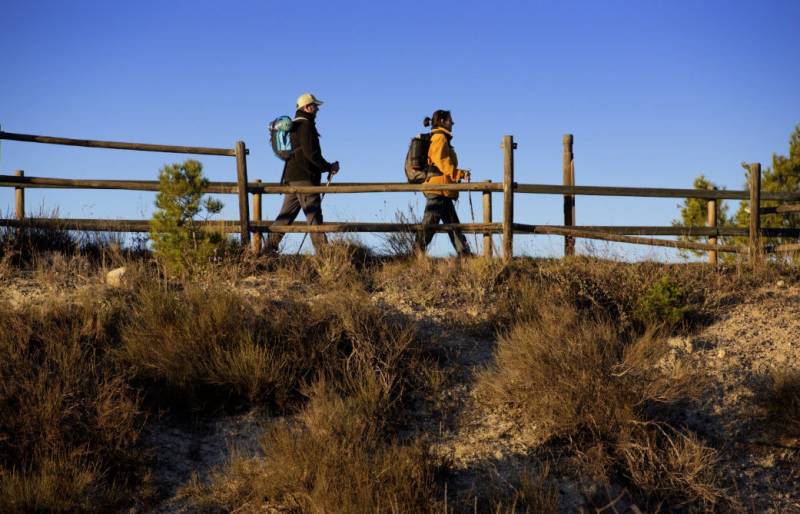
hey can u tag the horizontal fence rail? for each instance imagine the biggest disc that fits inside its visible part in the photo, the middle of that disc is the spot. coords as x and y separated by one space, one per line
650 192
117 145
232 226
126 185
590 231
397 187
239 152
619 238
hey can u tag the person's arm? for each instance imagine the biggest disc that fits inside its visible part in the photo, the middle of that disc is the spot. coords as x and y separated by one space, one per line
439 154
310 145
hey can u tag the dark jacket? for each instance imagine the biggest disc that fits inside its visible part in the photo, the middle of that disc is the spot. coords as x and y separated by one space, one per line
306 163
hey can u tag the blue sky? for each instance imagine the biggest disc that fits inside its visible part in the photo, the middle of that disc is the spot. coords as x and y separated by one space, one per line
655 93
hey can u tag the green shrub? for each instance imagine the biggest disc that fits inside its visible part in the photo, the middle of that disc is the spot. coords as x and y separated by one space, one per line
181 245
663 303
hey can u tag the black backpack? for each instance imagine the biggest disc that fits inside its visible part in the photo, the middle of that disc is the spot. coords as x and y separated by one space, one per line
416 167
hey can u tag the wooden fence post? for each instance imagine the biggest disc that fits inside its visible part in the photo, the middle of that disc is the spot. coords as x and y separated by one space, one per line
712 222
19 192
244 208
568 174
487 218
508 197
257 217
755 211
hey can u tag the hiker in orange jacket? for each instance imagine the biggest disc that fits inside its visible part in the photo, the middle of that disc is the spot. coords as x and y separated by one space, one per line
442 158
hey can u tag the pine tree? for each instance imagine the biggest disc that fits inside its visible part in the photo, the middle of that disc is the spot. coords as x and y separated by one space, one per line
783 176
694 213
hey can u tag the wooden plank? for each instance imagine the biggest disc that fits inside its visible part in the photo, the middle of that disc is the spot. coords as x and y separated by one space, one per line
89 143
244 208
19 193
232 226
128 185
487 219
794 247
257 217
755 216
478 228
711 221
779 209
539 229
376 188
253 187
508 197
568 179
104 225
655 230
650 192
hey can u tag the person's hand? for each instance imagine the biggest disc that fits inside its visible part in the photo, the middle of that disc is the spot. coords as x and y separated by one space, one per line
466 175
334 168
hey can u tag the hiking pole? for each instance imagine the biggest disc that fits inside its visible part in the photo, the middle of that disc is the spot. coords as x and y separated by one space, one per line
305 235
471 210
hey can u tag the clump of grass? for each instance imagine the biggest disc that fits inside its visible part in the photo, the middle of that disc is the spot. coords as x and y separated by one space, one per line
324 469
464 285
579 379
402 244
210 344
635 296
340 454
664 302
781 397
32 244
341 263
69 422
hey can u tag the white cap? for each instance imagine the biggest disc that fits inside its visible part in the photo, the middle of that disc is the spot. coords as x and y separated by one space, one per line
307 99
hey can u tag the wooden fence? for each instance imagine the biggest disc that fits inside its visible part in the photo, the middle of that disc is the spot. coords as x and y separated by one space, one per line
507 227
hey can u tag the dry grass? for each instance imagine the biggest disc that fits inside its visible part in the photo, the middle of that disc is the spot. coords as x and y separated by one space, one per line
781 397
578 379
467 287
209 342
31 247
340 453
69 421
624 292
335 459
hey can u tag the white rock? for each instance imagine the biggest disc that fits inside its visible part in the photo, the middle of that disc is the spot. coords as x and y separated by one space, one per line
721 353
116 277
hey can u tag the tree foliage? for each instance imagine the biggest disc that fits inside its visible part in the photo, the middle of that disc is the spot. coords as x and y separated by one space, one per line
783 176
694 213
180 243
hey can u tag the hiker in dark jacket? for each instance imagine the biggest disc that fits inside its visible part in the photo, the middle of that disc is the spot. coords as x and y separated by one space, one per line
443 161
304 168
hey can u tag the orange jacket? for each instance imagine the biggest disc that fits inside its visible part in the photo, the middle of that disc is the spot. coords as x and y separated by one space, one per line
442 155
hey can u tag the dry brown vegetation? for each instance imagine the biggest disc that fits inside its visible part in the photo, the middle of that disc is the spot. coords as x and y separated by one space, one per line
344 350
577 378
69 420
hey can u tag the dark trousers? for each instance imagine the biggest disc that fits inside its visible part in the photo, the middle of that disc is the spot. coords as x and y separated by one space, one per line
311 203
441 208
